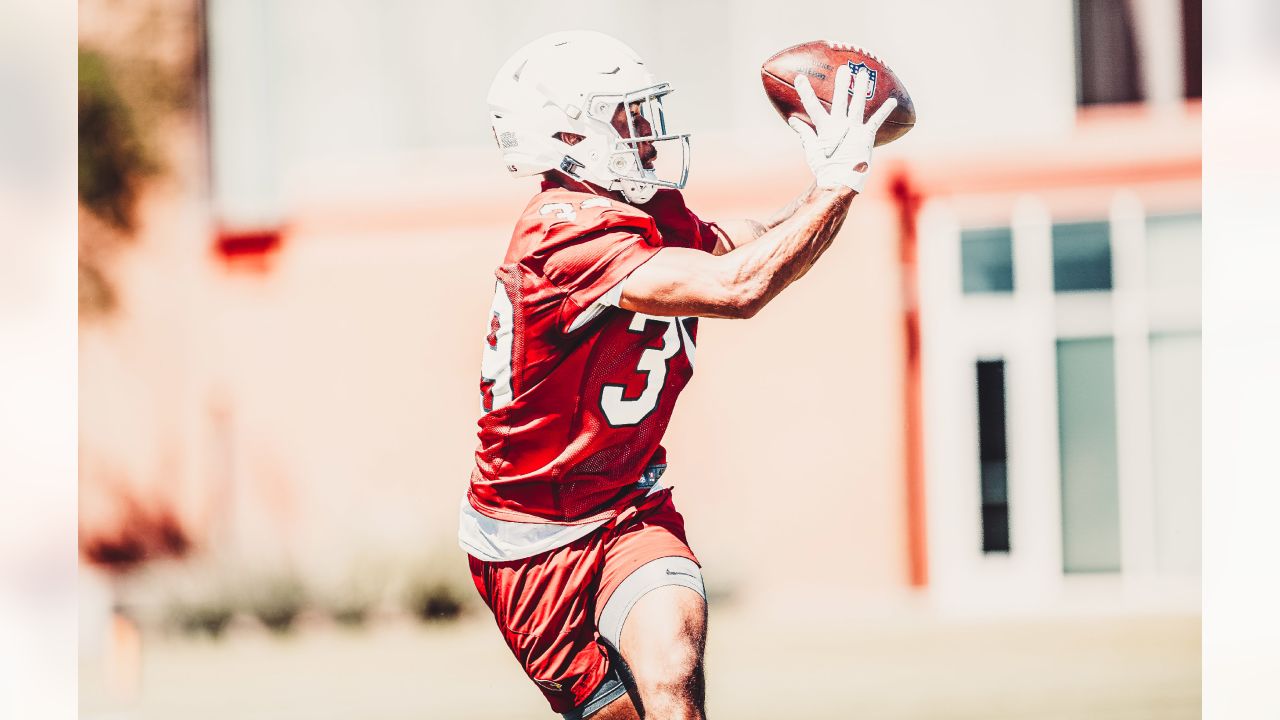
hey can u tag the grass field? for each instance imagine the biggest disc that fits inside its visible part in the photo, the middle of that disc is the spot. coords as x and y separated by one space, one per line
1091 668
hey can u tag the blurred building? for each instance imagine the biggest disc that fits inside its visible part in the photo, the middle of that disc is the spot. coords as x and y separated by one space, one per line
991 379
1059 288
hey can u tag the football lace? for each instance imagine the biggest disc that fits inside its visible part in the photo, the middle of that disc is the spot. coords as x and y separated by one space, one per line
855 48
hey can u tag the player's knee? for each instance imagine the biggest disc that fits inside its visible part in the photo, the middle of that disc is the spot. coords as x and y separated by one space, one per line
679 665
683 680
672 687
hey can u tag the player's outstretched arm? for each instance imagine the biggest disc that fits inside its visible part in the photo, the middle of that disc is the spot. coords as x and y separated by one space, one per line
686 282
737 284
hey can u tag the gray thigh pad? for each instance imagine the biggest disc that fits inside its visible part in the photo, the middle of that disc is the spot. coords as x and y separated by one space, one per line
652 575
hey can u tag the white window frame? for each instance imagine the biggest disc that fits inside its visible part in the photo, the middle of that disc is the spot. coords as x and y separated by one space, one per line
1022 328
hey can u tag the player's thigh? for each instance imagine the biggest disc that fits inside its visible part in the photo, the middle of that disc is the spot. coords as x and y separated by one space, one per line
543 607
646 552
664 638
652 604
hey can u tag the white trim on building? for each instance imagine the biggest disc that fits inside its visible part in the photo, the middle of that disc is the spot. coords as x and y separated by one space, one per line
1024 328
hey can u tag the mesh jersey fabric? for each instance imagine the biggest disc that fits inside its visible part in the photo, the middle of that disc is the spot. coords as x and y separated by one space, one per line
577 398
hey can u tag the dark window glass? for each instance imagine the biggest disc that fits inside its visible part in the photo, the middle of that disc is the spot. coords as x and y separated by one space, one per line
993 456
1081 256
1106 58
1191 48
986 260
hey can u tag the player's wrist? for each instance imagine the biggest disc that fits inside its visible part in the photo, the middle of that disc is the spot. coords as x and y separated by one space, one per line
842 180
839 193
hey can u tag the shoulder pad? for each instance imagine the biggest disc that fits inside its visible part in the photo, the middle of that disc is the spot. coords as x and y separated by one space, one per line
565 211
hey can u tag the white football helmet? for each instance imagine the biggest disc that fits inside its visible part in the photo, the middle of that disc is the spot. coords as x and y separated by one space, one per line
573 82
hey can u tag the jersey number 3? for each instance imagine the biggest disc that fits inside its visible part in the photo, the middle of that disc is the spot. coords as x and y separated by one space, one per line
496 389
495 364
621 411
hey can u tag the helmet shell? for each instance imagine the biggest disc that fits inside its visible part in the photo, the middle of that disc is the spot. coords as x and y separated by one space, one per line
545 88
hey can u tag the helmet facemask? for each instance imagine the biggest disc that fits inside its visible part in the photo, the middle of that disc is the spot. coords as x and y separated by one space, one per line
625 167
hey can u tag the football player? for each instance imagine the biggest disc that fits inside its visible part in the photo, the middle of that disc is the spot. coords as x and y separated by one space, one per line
574 542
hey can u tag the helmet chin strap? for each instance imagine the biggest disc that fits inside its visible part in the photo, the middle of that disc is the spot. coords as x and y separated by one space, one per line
635 191
638 192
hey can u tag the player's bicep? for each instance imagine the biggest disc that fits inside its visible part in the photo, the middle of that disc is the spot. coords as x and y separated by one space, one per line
683 282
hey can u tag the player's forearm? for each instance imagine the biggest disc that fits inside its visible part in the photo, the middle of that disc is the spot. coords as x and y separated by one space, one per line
762 269
737 233
786 212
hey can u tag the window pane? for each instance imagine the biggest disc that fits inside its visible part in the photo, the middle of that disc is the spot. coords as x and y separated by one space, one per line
1191 48
1106 63
1173 254
1087 446
986 259
993 455
1082 256
1175 445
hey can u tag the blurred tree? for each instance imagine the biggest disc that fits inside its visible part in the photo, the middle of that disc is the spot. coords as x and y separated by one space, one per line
113 162
113 158
139 70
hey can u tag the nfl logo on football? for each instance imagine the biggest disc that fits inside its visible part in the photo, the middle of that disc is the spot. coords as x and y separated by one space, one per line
854 68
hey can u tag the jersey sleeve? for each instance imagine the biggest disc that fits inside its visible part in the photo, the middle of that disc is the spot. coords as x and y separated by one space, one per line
589 269
708 235
587 251
680 226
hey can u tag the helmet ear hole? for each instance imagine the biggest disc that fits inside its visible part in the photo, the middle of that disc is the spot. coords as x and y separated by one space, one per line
568 138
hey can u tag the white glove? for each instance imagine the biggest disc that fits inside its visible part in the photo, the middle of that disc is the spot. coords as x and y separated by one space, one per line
839 151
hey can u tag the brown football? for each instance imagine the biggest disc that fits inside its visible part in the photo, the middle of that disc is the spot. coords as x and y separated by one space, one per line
819 60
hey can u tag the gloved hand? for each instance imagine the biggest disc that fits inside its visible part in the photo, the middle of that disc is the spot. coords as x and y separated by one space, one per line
838 147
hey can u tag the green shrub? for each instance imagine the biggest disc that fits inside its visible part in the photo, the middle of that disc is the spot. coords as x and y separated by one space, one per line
436 602
276 602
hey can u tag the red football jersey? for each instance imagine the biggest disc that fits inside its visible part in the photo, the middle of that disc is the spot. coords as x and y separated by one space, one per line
577 394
